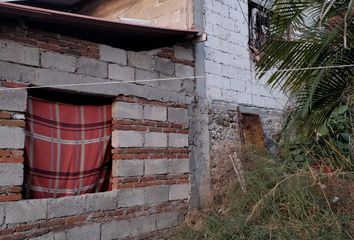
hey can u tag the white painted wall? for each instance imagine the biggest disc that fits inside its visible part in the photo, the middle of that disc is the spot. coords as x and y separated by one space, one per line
229 69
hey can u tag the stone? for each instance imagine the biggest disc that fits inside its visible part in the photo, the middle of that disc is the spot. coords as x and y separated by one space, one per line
114 55
154 139
178 192
178 115
92 67
131 197
127 168
18 53
164 66
115 230
144 75
156 113
156 167
91 231
156 194
178 166
13 100
11 174
66 206
58 61
127 139
26 211
116 72
121 110
177 140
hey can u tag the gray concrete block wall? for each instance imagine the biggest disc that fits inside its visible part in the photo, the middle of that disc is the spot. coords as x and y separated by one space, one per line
228 66
42 67
27 64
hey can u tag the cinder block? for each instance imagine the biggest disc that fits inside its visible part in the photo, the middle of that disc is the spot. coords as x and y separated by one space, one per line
147 75
2 214
91 231
66 206
11 174
49 236
167 220
156 194
177 140
165 66
184 71
120 73
58 61
178 192
130 197
114 55
153 139
156 167
26 211
141 74
183 53
13 100
127 139
18 53
141 60
121 110
178 115
178 166
115 230
127 168
102 201
156 113
143 225
92 67
12 137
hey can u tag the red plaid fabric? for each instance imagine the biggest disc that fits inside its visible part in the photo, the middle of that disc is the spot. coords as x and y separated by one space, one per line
67 149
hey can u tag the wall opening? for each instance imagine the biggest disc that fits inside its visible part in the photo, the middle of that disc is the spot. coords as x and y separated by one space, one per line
252 131
68 144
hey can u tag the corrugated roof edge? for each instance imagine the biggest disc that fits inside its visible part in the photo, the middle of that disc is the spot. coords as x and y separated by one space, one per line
124 35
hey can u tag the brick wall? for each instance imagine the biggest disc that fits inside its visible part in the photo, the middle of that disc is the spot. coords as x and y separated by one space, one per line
150 175
150 140
11 142
228 65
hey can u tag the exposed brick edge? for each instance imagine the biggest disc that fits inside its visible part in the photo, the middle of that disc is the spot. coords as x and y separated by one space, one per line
169 53
145 181
139 100
150 150
30 230
50 41
8 84
148 125
145 156
11 193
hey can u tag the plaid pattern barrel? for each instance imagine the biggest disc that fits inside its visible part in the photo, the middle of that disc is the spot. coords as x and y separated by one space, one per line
67 149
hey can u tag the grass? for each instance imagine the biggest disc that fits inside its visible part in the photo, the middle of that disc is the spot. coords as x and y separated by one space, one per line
282 201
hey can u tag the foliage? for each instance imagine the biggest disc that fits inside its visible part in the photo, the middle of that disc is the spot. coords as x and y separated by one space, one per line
331 147
309 34
282 201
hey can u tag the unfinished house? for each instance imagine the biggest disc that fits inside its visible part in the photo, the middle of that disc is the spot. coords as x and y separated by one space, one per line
113 112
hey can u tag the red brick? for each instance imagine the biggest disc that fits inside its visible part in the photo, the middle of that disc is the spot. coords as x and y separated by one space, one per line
15 123
18 159
10 198
5 115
